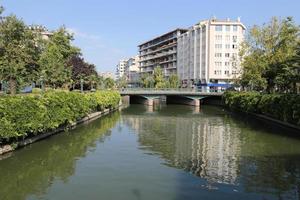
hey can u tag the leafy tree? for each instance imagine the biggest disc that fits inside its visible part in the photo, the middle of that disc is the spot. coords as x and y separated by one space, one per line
54 59
82 70
17 51
173 81
109 83
93 79
267 53
147 80
159 80
122 82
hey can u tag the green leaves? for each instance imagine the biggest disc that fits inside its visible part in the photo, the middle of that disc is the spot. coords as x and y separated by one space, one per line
285 107
268 53
17 55
34 114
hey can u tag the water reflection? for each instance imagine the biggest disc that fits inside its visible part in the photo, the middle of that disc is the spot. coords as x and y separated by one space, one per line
33 169
220 149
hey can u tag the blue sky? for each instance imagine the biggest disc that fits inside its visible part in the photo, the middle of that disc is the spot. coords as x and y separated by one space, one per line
110 30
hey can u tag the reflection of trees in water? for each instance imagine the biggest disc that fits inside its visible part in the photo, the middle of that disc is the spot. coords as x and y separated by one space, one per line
278 175
203 146
222 150
31 170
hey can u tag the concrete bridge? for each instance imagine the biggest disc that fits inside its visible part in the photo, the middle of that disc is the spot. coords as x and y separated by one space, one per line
170 96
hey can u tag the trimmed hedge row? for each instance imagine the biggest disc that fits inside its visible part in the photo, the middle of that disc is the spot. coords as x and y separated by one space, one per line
285 107
25 115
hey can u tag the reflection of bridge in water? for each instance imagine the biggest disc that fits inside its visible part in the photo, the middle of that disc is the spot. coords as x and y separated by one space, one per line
177 96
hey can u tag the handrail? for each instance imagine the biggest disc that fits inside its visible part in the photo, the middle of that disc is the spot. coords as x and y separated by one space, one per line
157 90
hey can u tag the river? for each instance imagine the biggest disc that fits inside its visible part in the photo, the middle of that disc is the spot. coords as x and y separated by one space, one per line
166 152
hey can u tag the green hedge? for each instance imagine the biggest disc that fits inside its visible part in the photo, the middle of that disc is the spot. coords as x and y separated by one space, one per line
25 115
285 107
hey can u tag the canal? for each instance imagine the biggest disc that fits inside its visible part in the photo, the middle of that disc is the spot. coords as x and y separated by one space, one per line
168 152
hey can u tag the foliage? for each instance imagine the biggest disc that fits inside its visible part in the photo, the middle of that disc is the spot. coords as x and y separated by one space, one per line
82 70
173 81
18 51
268 53
147 80
109 83
285 107
54 59
122 82
159 80
24 115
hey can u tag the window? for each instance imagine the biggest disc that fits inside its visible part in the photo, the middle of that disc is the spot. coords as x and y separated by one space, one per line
234 46
233 64
234 56
218 46
235 28
218 72
227 55
227 28
227 46
234 38
226 72
218 55
218 64
227 38
218 28
234 72
218 37
226 64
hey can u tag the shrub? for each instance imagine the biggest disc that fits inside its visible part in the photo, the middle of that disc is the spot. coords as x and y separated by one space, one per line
22 115
285 107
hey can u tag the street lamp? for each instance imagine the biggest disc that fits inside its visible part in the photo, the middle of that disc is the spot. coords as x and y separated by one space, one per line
81 85
42 83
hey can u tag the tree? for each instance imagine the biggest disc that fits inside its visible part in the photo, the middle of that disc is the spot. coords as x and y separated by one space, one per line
122 82
109 83
158 77
17 51
82 70
266 55
173 81
147 80
54 59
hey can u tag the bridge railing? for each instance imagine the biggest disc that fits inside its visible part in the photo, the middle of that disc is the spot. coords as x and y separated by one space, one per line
192 90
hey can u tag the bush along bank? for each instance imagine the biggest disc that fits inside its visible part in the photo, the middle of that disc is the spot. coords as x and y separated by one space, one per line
283 107
23 116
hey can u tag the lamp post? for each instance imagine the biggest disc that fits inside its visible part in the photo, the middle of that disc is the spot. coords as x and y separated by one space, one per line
81 85
42 83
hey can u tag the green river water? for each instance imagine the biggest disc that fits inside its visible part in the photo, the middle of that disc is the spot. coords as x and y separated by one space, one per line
166 152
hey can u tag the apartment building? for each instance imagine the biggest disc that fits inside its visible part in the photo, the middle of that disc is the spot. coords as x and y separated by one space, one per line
207 53
129 69
120 69
132 71
160 51
106 75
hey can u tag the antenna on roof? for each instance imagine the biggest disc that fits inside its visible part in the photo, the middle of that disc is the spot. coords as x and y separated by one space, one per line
214 18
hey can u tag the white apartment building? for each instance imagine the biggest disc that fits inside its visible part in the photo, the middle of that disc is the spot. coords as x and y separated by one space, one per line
120 69
208 53
132 70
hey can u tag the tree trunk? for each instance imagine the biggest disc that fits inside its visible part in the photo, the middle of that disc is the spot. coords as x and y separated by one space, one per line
12 86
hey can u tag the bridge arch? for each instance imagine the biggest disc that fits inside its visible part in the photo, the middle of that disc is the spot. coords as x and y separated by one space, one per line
144 99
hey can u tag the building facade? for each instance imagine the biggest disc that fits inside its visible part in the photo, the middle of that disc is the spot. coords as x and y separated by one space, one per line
120 69
106 75
208 53
160 52
132 71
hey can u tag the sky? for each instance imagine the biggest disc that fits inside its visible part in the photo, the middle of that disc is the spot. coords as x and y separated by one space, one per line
110 30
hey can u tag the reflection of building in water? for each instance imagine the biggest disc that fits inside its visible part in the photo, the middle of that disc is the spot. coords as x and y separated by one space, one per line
204 146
